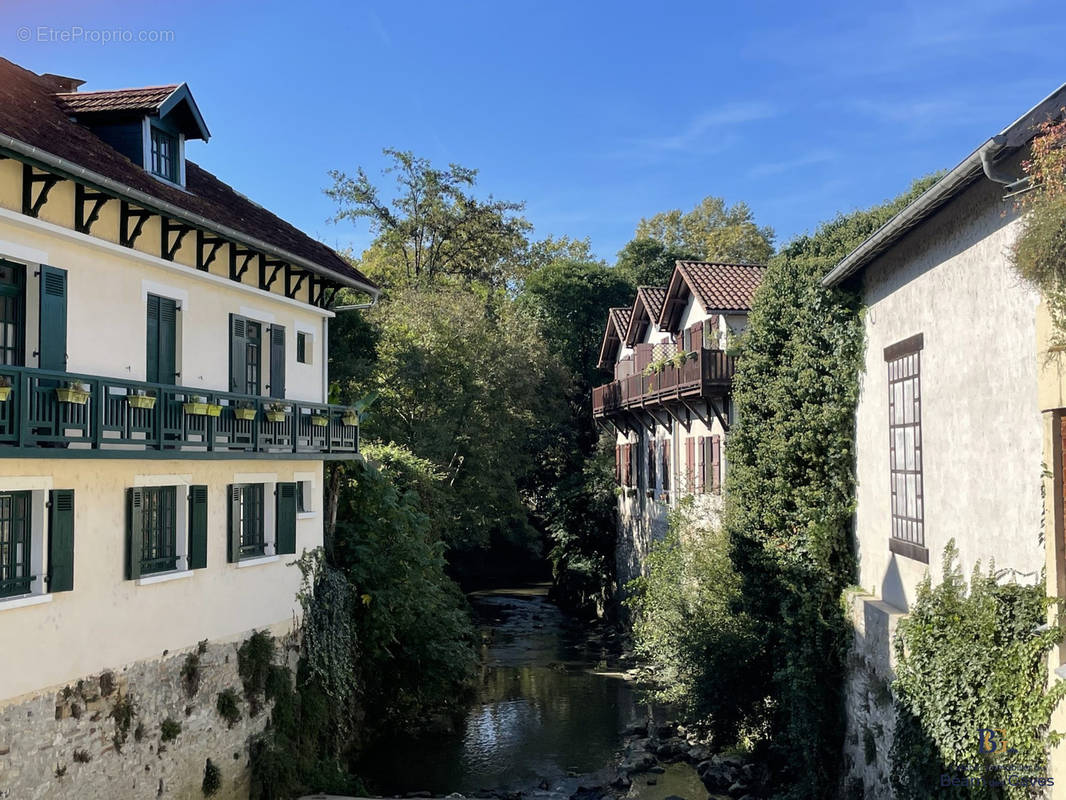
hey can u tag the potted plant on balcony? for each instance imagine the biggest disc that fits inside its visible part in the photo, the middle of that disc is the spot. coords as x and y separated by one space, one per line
244 409
5 388
214 409
275 412
319 420
350 416
140 399
195 405
75 393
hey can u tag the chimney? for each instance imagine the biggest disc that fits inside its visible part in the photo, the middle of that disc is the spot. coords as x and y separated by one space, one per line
62 83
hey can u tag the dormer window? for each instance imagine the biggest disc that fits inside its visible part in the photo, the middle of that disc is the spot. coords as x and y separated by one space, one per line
164 155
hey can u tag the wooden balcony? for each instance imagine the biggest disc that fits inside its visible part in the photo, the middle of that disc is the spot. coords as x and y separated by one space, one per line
132 419
709 374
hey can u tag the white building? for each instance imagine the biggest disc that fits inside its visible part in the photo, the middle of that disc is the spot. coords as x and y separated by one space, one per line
162 438
670 400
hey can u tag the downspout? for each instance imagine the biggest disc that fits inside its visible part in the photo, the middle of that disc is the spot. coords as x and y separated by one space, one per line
987 154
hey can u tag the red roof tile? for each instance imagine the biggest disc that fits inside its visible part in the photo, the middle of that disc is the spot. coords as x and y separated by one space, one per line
722 287
31 114
149 98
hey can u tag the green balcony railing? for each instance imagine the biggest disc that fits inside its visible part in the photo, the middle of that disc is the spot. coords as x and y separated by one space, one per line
119 416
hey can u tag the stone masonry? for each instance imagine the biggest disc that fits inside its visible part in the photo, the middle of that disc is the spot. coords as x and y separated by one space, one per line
102 736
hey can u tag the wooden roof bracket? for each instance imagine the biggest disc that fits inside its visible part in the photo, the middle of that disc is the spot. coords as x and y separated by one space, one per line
714 407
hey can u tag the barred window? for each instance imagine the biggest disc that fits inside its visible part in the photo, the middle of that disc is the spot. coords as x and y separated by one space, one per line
250 521
15 578
903 361
158 538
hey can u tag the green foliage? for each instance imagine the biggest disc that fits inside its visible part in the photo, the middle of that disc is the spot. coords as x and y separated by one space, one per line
693 643
791 490
713 231
212 781
190 674
434 225
255 656
648 262
169 730
411 622
122 712
970 658
228 706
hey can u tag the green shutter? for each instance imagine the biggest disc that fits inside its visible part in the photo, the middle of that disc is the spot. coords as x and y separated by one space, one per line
197 527
52 349
134 510
233 549
277 361
61 541
152 355
285 519
162 339
238 353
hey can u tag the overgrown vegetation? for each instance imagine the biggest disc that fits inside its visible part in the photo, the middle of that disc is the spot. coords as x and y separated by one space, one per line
169 730
1040 250
227 704
971 657
692 642
255 657
212 781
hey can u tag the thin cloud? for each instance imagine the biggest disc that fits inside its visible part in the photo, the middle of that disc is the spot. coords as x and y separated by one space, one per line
378 27
770 168
713 121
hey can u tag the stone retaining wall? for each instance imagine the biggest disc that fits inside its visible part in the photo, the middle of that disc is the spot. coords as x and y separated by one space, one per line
74 741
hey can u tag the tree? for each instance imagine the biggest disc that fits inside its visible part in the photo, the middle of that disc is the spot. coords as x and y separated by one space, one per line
434 225
713 231
649 262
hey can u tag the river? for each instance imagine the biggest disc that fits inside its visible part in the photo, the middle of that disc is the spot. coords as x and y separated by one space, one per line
548 715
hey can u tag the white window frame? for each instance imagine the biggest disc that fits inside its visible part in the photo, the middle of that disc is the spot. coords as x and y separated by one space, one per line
38 487
181 484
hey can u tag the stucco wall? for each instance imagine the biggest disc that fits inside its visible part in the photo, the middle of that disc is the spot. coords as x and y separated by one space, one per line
950 280
107 307
108 621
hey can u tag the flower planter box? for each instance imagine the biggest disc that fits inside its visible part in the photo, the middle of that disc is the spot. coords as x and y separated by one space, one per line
214 410
319 421
195 409
247 414
140 400
350 419
5 393
77 397
275 416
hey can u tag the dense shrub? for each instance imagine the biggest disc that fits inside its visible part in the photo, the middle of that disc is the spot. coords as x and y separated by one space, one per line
969 659
791 491
692 641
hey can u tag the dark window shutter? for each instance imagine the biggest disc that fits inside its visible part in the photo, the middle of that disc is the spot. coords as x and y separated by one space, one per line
285 519
61 541
234 532
690 463
52 349
666 465
197 527
697 336
238 353
701 477
277 361
168 340
716 464
152 355
134 511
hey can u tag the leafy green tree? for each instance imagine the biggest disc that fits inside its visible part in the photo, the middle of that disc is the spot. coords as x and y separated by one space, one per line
791 486
713 230
434 225
649 262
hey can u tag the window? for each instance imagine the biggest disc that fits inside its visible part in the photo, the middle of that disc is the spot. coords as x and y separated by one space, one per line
903 361
158 542
664 451
15 577
165 155
245 361
12 313
303 347
248 519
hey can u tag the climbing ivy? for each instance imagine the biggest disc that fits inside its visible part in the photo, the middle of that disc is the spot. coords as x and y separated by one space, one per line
970 658
791 487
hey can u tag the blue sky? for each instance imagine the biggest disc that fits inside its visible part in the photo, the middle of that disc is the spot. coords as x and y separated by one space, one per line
594 113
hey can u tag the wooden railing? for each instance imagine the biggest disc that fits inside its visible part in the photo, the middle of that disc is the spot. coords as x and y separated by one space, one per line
703 371
119 416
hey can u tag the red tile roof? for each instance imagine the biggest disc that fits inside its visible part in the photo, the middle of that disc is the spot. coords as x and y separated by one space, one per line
648 303
148 98
620 318
30 113
617 324
721 287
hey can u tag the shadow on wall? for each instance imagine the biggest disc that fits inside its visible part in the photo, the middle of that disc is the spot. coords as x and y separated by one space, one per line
892 591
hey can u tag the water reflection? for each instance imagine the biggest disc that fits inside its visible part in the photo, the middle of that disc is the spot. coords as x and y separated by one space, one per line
541 710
